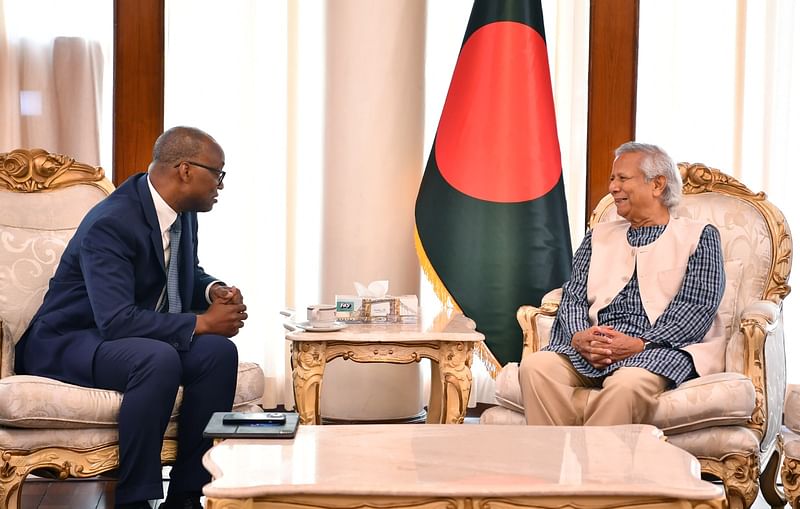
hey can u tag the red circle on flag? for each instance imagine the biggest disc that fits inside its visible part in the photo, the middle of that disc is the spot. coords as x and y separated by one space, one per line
497 138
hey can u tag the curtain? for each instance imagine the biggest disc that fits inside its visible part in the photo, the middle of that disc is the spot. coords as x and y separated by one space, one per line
718 84
226 73
51 81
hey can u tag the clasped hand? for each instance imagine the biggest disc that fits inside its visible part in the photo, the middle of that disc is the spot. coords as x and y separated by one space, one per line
226 314
602 345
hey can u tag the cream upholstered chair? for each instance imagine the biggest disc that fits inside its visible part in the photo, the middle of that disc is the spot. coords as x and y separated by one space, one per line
731 420
48 427
791 435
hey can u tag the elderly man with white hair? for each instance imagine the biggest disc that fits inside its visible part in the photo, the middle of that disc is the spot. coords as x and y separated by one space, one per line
642 295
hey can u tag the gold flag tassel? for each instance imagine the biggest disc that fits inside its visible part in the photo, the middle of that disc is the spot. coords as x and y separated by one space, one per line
484 354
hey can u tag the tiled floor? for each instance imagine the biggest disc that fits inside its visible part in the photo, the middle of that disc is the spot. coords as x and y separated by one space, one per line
71 494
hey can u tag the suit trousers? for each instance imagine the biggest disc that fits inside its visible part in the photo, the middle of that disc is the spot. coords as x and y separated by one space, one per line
148 372
555 394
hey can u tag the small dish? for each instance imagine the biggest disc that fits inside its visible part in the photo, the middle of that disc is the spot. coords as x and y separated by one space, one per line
310 327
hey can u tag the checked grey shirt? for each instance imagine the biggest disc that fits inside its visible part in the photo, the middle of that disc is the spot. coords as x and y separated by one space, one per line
685 321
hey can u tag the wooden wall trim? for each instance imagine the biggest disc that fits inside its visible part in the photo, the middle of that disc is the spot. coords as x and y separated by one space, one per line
613 56
138 84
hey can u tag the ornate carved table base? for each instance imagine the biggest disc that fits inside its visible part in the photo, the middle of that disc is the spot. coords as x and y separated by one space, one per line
339 502
448 346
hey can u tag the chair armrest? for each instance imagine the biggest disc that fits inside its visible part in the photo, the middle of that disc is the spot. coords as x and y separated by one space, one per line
532 319
764 362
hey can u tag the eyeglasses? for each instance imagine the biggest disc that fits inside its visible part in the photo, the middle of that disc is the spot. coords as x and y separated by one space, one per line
220 173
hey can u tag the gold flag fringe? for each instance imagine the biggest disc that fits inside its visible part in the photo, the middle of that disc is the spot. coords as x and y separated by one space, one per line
484 354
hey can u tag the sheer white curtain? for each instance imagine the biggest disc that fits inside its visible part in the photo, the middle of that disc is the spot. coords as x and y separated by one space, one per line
718 84
226 73
55 77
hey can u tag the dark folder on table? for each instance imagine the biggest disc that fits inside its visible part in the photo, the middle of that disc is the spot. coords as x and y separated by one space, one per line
216 428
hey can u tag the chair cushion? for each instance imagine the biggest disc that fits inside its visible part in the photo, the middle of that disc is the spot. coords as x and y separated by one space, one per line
791 409
500 415
74 439
718 442
712 400
706 401
38 402
507 389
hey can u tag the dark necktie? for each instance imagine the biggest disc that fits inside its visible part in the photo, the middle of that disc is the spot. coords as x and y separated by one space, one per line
173 288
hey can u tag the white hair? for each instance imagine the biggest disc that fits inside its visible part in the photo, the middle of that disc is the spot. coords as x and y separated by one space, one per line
654 163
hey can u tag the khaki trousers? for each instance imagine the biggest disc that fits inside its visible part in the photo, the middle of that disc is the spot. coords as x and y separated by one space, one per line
555 394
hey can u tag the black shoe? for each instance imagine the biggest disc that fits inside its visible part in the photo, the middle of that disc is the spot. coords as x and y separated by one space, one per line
188 502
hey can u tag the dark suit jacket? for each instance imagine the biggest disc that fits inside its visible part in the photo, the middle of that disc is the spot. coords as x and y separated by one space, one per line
107 285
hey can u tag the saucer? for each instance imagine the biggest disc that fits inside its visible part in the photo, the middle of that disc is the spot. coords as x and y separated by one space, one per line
310 327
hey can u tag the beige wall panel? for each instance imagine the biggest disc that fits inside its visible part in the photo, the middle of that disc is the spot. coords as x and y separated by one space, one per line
373 163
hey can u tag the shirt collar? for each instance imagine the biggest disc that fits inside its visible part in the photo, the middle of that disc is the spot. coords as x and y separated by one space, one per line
166 216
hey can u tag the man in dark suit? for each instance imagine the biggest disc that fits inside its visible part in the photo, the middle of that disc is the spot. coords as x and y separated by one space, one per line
109 319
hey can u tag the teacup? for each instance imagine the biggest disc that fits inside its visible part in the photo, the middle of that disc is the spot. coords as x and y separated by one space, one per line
321 315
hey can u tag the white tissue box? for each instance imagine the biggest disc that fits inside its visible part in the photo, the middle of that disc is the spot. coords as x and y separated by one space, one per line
389 309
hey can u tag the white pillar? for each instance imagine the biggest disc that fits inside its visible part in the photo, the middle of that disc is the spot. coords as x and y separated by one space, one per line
373 162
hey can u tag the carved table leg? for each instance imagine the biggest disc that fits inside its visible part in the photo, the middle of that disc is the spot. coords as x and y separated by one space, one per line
435 402
308 359
455 378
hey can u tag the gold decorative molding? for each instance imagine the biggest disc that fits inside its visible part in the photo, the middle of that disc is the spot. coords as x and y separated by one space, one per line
35 170
790 474
61 463
308 366
169 451
739 474
451 362
533 502
455 377
698 178
527 316
755 336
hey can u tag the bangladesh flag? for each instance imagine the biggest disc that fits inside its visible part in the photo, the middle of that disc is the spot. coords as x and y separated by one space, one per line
491 219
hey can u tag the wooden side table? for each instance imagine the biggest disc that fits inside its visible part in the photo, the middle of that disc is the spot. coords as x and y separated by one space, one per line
448 343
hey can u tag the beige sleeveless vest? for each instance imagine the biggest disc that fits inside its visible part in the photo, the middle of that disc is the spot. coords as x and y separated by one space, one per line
661 268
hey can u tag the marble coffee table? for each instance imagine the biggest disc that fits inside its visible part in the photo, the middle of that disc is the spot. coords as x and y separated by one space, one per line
458 467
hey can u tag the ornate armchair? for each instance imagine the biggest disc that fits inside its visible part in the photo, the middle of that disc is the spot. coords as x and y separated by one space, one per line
730 421
791 434
48 427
